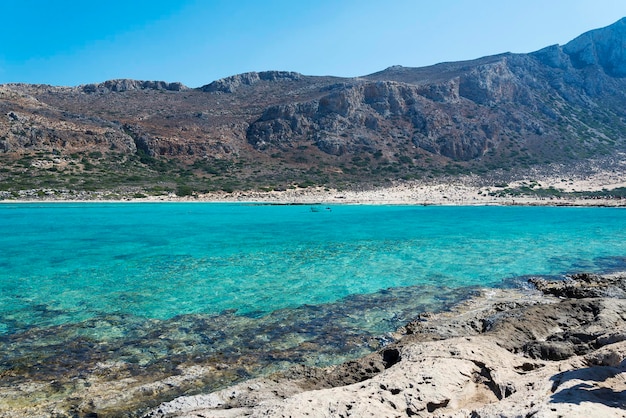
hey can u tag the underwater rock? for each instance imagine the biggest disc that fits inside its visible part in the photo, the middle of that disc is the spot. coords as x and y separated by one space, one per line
114 365
539 356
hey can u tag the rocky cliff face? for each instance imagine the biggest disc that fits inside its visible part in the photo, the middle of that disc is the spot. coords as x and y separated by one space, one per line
493 104
559 104
604 48
351 119
463 111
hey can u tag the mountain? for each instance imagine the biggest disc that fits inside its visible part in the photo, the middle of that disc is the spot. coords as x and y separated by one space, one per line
272 129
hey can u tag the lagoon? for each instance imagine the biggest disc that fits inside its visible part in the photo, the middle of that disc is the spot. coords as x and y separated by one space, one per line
166 259
155 288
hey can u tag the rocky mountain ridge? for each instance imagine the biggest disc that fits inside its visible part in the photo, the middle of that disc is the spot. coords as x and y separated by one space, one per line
560 104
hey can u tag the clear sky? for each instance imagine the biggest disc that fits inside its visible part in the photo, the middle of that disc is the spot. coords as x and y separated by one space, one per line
72 42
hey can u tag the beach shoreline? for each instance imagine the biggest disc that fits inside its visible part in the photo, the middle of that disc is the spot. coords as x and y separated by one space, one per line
589 188
558 350
499 350
414 194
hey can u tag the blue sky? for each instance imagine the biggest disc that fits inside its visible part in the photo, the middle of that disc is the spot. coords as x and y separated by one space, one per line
72 42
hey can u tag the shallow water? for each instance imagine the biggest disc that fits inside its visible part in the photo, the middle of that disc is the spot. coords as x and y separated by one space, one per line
153 287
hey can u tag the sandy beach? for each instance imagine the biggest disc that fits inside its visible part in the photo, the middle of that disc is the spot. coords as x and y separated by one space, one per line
411 194
588 185
465 191
558 186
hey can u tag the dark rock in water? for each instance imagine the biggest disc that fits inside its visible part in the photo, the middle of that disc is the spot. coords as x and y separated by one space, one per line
151 361
583 285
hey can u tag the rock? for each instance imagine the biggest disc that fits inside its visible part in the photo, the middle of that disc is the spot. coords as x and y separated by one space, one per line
601 47
553 56
490 84
582 286
15 117
233 83
365 109
122 85
143 141
547 350
613 355
528 361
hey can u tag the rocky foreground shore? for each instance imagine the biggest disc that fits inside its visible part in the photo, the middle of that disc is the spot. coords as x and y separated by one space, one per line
556 352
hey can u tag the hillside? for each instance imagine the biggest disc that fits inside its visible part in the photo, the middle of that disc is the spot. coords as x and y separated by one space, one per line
562 105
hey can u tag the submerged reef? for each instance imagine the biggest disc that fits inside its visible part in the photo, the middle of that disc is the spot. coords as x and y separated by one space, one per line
122 365
478 352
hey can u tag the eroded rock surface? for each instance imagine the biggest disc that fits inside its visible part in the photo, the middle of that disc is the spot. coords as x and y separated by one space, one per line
505 353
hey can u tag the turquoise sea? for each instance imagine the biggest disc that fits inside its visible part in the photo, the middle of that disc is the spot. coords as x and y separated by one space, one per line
158 286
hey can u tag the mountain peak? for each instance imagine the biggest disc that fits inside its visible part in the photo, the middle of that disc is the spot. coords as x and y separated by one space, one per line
605 47
560 105
232 83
